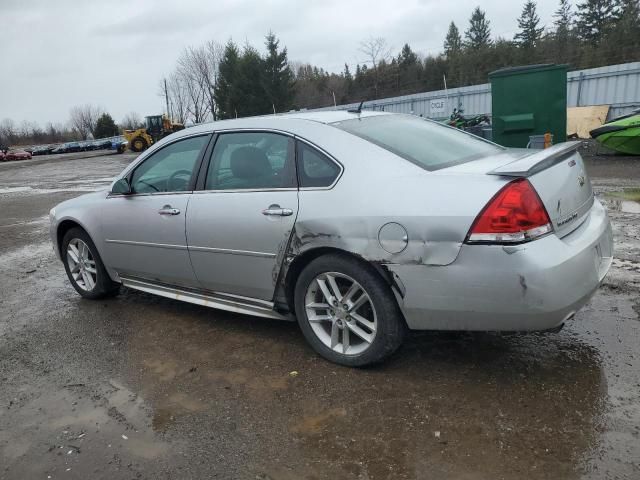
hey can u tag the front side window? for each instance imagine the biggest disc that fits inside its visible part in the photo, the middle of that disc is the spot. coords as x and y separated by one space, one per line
251 160
314 168
170 168
426 143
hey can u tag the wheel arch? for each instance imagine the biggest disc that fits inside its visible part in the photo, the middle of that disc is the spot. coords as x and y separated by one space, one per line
67 224
300 261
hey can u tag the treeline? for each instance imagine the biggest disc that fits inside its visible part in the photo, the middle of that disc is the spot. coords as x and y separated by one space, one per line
214 81
85 121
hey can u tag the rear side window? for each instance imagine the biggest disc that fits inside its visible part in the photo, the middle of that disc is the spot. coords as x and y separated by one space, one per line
428 144
251 160
315 169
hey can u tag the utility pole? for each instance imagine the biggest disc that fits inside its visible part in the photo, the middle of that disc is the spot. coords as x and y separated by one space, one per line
166 98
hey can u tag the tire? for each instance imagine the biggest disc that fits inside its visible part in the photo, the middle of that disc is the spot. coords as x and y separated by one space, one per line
102 286
385 329
139 144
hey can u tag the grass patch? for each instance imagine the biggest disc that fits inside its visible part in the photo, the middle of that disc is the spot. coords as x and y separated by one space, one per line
632 194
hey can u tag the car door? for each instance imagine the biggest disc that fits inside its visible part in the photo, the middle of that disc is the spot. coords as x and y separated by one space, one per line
243 217
144 231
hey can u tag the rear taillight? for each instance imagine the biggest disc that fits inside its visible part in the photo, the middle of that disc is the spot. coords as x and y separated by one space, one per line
514 215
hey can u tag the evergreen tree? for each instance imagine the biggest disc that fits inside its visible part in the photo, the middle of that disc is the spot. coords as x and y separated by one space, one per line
478 36
252 99
407 57
277 78
595 19
105 127
452 42
348 83
529 34
563 20
225 90
624 39
628 20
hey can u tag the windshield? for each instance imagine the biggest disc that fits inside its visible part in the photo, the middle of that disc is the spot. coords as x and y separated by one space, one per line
428 144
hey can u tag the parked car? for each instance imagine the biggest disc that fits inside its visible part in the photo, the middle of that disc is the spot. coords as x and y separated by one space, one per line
43 150
119 145
103 144
67 148
359 224
17 155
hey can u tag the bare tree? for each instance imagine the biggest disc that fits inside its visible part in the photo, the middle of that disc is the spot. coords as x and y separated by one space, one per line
199 66
377 51
197 104
178 99
8 132
83 119
131 121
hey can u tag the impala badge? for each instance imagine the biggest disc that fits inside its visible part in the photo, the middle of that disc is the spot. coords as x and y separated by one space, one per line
581 180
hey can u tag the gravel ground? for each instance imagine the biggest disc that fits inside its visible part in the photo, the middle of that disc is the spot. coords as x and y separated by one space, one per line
146 387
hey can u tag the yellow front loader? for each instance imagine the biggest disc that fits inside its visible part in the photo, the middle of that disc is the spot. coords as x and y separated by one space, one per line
157 127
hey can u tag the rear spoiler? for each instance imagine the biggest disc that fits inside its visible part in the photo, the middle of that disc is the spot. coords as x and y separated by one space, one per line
538 161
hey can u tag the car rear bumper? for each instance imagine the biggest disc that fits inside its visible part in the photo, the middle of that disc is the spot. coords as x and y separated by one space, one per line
534 286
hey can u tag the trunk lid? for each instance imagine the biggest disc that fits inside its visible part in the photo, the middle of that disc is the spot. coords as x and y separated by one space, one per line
557 173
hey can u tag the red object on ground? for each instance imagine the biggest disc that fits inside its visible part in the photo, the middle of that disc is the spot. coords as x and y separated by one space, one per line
17 155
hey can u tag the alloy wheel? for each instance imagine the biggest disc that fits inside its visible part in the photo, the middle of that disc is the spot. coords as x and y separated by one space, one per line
82 265
341 313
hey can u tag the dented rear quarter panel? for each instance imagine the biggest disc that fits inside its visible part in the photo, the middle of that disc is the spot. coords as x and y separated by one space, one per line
378 187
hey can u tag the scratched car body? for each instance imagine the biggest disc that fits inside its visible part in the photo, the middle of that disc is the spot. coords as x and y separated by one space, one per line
362 225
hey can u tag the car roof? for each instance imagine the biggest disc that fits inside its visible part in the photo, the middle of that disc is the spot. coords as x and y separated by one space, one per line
273 121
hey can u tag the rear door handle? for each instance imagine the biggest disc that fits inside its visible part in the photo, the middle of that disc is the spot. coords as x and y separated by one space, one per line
168 210
276 210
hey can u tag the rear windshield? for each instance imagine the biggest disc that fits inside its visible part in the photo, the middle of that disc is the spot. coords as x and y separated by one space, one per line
428 144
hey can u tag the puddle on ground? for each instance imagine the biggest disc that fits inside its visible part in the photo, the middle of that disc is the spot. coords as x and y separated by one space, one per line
626 201
626 206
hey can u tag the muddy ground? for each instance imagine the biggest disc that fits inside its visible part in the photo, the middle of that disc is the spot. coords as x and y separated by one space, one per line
146 387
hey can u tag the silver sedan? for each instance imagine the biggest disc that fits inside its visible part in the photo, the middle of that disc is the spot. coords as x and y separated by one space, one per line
361 226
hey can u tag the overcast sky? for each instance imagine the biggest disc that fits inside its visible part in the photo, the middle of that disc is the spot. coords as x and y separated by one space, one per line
113 53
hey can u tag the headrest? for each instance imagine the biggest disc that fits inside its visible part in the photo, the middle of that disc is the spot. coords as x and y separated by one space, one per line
249 162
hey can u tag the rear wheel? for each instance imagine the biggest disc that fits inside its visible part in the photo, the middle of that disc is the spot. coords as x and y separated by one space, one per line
84 266
139 144
347 312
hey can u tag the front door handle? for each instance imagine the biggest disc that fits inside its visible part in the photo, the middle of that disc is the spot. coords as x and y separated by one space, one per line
276 210
168 210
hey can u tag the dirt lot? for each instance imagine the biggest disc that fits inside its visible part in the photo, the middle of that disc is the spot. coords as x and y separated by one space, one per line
145 387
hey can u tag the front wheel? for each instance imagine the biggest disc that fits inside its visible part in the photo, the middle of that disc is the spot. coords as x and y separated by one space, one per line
139 144
347 312
84 266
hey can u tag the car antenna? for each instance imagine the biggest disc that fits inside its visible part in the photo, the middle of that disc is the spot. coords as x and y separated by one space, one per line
357 110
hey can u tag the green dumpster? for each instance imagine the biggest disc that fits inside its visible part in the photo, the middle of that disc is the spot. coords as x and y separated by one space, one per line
529 100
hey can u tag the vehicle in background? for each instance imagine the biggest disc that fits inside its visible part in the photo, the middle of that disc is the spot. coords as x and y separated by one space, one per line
103 144
622 134
67 148
85 146
42 150
359 224
119 145
458 120
17 155
156 127
1 155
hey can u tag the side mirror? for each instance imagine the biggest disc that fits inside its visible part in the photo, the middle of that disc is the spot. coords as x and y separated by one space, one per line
121 187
